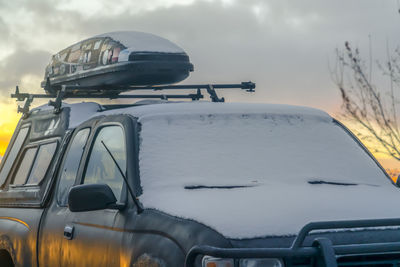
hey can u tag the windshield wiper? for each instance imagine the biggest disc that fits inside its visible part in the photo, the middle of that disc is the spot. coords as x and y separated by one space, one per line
194 187
331 183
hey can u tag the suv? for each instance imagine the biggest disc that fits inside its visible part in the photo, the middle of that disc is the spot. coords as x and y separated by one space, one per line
193 184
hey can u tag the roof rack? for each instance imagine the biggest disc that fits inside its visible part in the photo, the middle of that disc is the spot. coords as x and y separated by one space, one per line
114 92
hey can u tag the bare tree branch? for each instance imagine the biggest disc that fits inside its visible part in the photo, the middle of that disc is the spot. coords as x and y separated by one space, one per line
372 110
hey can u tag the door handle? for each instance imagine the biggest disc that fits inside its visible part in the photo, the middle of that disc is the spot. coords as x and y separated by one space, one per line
68 232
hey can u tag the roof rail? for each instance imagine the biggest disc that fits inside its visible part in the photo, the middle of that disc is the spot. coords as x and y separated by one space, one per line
114 92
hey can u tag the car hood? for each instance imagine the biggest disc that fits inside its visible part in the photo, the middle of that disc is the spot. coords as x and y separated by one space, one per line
276 209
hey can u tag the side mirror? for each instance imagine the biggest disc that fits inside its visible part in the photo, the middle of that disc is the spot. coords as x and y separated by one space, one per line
89 197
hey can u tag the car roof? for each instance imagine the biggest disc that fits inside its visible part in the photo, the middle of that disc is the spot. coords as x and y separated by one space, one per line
78 112
81 112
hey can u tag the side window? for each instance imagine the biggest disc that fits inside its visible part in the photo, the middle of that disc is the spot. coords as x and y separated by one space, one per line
101 169
42 163
34 164
12 155
25 166
69 171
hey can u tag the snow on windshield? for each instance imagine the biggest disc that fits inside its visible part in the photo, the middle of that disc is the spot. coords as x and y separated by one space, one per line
198 166
251 150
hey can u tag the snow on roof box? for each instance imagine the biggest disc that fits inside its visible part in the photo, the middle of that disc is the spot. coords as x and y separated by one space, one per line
118 59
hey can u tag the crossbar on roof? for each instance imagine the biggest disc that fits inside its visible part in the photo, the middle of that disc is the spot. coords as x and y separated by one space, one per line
115 92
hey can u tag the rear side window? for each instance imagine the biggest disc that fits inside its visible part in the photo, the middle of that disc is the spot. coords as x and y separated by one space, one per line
12 155
34 164
25 166
71 165
42 163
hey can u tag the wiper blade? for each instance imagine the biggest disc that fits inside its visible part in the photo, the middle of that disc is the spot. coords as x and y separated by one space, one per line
331 183
194 187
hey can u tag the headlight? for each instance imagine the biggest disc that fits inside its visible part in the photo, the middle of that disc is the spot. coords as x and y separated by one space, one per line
217 262
261 263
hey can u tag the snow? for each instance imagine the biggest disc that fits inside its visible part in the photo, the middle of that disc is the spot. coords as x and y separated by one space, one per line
81 112
141 42
272 152
205 107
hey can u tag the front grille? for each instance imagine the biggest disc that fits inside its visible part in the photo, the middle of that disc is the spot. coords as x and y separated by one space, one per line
323 251
380 260
299 262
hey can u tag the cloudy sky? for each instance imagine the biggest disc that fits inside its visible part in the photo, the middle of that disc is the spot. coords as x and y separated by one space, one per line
286 47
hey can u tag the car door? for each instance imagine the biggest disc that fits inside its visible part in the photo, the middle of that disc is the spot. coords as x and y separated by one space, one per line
51 232
89 236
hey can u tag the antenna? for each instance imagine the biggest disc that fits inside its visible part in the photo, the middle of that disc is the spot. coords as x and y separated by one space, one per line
139 207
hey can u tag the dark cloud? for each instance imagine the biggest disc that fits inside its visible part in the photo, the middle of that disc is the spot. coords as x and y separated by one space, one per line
286 48
4 32
286 51
20 63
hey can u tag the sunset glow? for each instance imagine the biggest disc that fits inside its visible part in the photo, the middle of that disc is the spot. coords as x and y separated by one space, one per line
8 121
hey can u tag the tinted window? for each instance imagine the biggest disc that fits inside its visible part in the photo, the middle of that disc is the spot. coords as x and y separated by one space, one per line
34 164
42 163
12 155
101 169
71 165
25 166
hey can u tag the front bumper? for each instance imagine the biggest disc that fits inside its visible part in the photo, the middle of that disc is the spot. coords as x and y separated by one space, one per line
321 253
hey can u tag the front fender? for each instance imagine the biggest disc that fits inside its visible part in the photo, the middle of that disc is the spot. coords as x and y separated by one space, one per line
153 250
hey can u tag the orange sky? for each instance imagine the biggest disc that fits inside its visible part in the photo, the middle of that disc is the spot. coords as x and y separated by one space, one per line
8 121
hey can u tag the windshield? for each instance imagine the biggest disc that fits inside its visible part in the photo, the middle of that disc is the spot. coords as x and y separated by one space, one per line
212 151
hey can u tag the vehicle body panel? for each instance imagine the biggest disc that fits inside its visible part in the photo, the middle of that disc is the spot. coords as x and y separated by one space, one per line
22 206
18 234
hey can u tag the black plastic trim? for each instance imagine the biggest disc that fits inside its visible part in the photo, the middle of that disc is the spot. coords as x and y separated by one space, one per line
323 248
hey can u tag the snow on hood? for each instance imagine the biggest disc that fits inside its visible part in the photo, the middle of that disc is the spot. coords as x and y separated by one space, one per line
275 209
259 171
